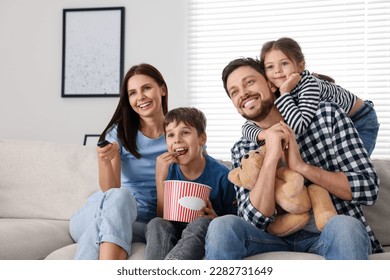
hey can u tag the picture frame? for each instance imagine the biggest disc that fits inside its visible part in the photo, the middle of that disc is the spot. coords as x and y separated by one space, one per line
92 52
91 139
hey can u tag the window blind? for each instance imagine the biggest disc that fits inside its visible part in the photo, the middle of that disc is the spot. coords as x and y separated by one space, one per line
347 40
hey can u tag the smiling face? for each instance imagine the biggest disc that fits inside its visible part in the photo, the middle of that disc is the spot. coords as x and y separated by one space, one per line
278 67
145 95
249 93
185 142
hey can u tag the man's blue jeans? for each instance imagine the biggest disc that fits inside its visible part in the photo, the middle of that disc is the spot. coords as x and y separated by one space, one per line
232 238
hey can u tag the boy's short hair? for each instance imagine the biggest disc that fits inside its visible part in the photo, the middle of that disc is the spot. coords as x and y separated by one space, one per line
188 115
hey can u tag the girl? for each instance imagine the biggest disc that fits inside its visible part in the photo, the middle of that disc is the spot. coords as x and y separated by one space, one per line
300 93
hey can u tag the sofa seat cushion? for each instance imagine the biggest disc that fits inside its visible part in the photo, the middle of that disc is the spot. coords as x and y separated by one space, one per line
32 239
68 252
285 256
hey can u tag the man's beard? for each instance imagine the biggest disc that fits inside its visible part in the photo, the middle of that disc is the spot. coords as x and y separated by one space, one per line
262 112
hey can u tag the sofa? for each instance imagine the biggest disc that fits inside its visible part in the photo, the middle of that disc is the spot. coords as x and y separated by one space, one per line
42 184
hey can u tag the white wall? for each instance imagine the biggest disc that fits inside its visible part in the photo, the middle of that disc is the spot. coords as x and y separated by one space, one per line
31 106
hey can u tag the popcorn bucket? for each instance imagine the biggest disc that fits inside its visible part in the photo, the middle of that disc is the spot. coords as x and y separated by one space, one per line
183 200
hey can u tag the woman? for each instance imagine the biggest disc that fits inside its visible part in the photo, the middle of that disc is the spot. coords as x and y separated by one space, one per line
111 219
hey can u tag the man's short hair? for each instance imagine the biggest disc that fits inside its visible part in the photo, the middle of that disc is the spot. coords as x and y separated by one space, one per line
234 64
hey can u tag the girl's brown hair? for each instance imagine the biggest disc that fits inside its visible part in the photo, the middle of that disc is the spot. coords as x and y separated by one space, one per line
286 45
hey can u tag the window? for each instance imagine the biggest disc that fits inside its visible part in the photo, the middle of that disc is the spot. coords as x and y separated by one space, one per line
347 40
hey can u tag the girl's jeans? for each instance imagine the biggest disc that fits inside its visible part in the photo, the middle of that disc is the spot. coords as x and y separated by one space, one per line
366 123
232 238
106 217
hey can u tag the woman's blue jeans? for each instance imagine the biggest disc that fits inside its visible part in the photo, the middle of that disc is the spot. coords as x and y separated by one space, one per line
106 217
232 238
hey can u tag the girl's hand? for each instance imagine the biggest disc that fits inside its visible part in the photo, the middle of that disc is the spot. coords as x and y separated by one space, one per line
290 83
208 210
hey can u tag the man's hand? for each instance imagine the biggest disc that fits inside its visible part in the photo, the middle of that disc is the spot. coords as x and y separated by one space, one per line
276 140
292 154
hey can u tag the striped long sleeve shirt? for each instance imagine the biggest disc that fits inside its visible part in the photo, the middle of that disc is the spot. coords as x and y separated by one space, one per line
299 107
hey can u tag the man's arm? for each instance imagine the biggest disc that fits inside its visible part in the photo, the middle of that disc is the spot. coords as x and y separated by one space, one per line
258 206
262 194
337 158
334 182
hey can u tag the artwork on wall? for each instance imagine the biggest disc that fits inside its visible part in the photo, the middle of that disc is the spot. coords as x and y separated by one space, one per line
91 139
92 52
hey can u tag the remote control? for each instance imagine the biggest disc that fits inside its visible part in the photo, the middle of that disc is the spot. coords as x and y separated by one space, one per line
103 143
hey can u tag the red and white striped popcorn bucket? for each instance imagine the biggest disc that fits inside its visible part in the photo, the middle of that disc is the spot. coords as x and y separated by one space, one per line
183 200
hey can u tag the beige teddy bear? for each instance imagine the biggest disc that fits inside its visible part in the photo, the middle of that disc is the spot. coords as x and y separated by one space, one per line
294 200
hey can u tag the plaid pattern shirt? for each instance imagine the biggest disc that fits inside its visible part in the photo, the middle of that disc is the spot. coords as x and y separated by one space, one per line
332 143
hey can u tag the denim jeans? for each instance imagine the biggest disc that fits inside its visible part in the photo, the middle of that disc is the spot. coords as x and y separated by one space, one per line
106 217
343 237
176 240
367 125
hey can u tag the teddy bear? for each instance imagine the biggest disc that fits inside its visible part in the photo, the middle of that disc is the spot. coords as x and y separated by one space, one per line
293 199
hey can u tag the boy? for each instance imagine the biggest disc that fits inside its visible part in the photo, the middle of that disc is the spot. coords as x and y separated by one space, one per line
185 133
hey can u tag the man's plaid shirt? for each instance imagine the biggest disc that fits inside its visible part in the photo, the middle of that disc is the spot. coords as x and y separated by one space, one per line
332 143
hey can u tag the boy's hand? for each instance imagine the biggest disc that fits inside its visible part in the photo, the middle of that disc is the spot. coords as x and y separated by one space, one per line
163 162
208 211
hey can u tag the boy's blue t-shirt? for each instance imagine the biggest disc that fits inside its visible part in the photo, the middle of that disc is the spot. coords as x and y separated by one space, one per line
138 175
214 175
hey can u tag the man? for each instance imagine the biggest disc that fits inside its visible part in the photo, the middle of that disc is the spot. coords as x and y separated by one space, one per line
329 153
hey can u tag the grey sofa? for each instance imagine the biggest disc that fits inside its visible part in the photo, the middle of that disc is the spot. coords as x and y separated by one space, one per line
42 184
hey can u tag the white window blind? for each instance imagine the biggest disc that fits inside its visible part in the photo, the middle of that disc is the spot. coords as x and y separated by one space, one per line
347 40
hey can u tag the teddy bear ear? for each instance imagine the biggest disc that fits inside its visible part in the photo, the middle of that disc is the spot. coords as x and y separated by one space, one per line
234 176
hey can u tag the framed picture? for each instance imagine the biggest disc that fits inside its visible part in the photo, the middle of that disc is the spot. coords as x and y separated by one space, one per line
91 139
92 52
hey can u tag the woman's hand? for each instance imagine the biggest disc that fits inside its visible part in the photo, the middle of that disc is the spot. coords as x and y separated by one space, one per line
109 152
109 166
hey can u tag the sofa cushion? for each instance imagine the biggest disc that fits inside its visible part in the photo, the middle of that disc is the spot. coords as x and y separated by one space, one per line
32 239
45 180
378 214
68 252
